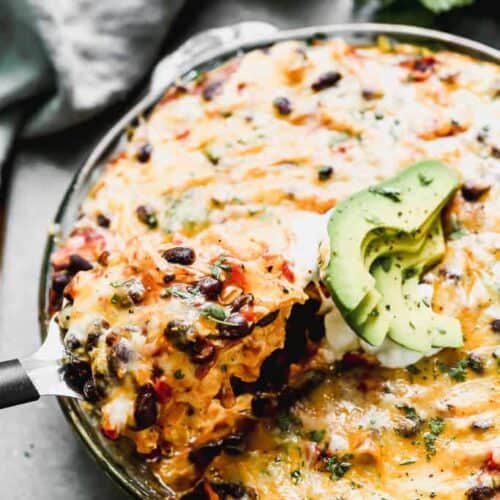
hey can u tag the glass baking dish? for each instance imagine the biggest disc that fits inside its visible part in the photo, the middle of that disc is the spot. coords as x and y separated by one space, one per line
200 53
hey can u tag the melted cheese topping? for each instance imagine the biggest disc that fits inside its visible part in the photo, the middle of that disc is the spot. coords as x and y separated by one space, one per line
240 169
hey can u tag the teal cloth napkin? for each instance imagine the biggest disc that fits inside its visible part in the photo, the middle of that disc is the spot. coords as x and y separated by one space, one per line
62 61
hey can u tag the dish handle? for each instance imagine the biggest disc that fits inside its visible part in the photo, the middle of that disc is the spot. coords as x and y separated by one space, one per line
200 47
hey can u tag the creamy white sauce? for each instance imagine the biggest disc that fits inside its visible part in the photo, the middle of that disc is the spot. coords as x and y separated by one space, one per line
308 231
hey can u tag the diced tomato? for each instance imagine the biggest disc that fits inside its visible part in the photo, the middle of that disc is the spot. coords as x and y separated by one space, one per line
492 462
288 272
236 276
110 433
162 389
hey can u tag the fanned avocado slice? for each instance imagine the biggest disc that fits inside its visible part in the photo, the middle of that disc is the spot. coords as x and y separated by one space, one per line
413 324
445 330
374 329
379 247
405 202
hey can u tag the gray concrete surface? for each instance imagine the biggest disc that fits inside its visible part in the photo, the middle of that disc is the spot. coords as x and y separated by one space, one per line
40 456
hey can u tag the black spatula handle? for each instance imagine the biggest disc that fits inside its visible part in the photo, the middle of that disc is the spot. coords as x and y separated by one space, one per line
15 385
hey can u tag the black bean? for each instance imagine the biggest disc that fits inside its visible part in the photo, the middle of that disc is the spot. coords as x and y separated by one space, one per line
92 339
326 80
136 291
179 255
203 455
265 405
76 373
168 278
472 192
145 410
234 444
325 173
282 105
202 352
210 90
231 490
144 152
122 352
59 281
119 355
480 493
243 300
495 325
91 392
71 342
235 327
495 152
147 215
177 333
210 287
268 319
103 220
78 263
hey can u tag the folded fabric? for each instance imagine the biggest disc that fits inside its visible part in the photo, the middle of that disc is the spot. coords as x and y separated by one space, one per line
63 61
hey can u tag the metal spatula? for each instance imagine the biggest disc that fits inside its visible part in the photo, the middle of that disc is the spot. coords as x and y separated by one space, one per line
25 380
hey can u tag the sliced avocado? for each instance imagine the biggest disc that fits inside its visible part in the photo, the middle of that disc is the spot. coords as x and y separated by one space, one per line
374 329
383 246
445 330
413 324
405 202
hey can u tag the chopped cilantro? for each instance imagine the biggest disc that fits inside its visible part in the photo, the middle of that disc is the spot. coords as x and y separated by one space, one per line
218 266
410 413
180 293
317 435
214 311
338 466
178 374
436 427
456 372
